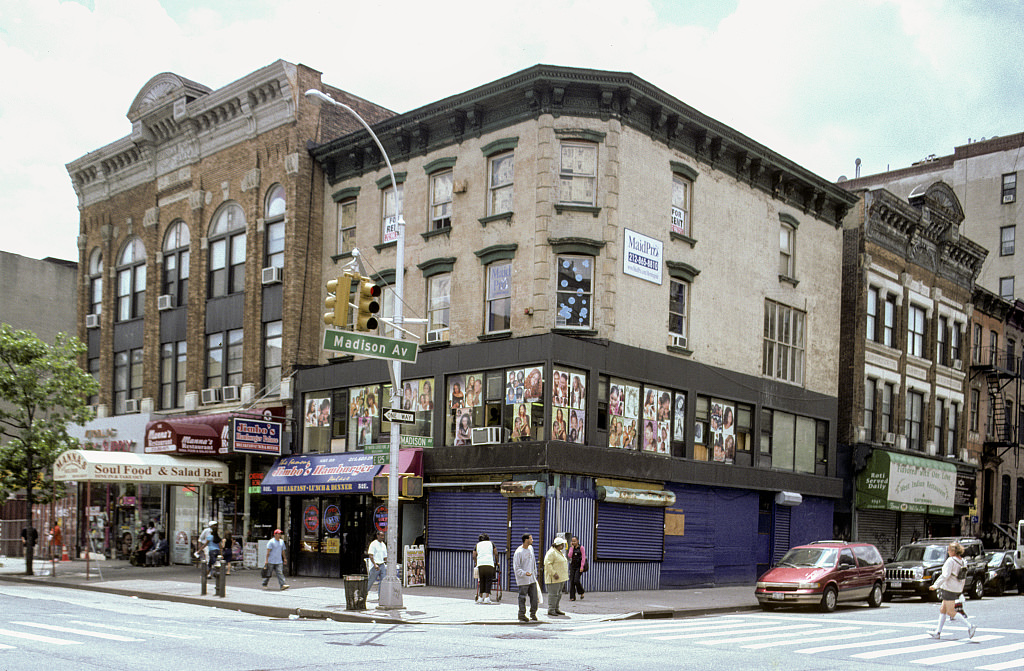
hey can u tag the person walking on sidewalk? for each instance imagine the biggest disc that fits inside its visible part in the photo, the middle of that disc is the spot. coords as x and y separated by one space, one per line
483 554
525 566
276 558
377 554
577 567
949 586
556 570
209 544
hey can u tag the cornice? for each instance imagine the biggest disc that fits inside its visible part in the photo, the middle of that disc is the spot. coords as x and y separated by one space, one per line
582 93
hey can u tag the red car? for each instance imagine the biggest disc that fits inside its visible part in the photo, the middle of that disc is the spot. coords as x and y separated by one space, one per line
824 573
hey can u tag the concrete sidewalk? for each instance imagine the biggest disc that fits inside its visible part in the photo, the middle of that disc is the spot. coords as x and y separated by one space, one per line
324 598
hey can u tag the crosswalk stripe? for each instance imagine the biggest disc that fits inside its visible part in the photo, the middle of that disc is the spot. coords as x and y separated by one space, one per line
1002 666
844 636
703 627
795 630
37 637
716 632
133 630
863 644
80 632
927 647
998 650
6 647
647 626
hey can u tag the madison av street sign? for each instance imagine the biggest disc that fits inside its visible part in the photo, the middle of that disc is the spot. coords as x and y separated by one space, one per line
373 346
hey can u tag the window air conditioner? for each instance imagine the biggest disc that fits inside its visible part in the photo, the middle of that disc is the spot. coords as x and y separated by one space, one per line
678 340
437 335
164 302
131 406
1008 198
860 434
229 394
889 438
211 395
271 275
92 321
931 447
488 435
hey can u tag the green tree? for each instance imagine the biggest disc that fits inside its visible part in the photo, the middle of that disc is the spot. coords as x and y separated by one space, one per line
42 391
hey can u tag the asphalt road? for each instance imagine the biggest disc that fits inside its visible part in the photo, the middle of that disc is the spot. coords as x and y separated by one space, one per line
43 627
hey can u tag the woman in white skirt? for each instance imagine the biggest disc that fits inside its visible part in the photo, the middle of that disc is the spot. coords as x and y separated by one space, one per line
949 585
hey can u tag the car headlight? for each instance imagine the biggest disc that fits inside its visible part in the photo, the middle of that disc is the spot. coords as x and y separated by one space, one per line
808 585
762 585
990 575
918 572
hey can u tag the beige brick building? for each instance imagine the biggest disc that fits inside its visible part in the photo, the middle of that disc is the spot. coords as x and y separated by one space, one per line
619 293
195 234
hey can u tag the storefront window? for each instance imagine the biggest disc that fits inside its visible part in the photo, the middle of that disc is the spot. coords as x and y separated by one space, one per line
511 399
364 415
568 406
722 428
310 525
418 396
317 423
623 414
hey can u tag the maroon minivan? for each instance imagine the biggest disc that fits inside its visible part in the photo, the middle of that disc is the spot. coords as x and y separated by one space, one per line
824 573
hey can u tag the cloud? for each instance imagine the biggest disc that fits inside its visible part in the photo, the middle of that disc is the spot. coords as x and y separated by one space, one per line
820 82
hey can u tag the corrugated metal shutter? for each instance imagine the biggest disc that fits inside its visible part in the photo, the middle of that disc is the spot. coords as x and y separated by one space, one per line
525 519
912 525
629 532
878 527
455 520
780 533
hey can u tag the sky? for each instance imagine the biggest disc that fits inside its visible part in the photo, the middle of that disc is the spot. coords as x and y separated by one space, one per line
821 82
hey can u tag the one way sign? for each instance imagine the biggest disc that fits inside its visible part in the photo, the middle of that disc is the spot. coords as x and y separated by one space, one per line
398 416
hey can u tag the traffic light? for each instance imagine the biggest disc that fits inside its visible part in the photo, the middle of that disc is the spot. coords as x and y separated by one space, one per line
337 301
367 295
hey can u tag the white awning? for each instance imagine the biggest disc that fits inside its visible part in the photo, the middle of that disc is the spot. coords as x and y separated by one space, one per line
97 466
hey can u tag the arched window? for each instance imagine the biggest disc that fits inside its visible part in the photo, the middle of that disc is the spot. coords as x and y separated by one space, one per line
96 282
273 221
131 280
227 252
175 279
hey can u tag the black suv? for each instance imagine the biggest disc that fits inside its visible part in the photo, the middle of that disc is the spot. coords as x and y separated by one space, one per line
917 565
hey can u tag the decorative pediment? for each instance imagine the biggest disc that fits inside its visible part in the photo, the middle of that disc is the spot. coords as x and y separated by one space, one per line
164 89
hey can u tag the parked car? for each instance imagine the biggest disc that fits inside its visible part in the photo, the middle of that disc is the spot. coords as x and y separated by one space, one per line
917 565
1002 573
824 573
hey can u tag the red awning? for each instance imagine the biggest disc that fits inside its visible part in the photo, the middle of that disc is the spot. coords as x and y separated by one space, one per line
198 434
410 460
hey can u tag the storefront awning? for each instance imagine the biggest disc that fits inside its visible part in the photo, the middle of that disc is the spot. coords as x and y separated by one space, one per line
203 435
96 466
906 483
335 473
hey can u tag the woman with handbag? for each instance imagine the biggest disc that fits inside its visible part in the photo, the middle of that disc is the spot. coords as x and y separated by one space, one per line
577 567
484 556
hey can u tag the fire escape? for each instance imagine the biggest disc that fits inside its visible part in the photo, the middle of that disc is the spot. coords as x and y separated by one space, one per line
1000 370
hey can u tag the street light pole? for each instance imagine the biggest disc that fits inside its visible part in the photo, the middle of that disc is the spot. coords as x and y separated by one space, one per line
390 586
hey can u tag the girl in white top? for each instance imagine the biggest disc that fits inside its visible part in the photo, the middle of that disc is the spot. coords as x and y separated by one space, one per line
484 556
949 585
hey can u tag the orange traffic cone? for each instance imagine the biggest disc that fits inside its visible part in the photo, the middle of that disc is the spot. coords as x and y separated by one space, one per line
64 553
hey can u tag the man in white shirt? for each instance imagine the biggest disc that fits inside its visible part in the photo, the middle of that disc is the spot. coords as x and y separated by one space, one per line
377 554
525 566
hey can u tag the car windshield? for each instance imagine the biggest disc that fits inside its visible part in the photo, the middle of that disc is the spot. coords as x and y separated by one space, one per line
928 553
995 558
820 557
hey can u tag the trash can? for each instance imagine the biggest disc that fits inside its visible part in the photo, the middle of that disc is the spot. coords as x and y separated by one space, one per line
355 592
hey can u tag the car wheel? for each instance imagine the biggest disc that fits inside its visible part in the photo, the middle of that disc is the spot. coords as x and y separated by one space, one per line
876 596
977 589
829 599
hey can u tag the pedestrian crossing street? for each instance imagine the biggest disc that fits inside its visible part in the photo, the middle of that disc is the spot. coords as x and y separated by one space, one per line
15 634
896 642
